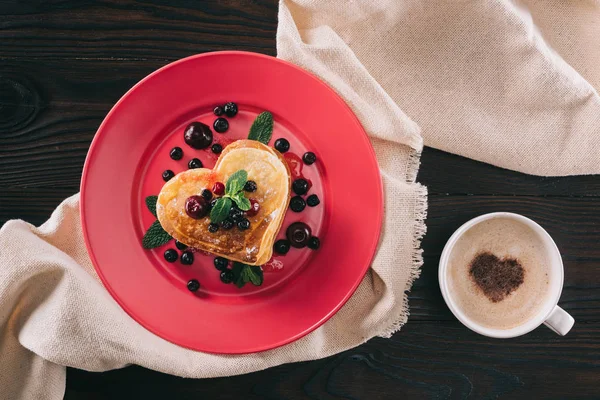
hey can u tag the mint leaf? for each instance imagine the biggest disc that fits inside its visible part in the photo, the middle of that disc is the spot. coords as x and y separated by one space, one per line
151 204
262 128
220 211
243 274
236 182
242 202
237 269
155 236
256 275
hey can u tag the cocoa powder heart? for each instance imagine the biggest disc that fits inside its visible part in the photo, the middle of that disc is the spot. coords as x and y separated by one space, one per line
496 277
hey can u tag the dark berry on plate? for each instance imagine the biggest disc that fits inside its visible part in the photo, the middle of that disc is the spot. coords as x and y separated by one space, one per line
226 276
171 255
180 246
207 194
194 163
227 224
221 263
167 175
314 243
218 111
236 214
282 246
250 186
254 208
198 135
218 188
197 207
212 228
313 200
221 125
176 153
193 285
217 148
230 109
297 204
243 224
300 186
187 258
298 234
309 158
282 145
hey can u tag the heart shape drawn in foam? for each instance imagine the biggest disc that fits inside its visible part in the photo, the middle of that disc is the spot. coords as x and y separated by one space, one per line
253 246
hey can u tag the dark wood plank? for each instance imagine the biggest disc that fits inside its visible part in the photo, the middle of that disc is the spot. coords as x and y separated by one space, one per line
114 29
446 173
436 360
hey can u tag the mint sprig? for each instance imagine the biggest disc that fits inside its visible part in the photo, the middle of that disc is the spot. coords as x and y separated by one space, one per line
262 128
243 273
151 204
233 193
155 236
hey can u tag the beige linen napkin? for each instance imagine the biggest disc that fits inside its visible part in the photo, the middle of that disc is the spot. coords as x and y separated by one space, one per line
476 76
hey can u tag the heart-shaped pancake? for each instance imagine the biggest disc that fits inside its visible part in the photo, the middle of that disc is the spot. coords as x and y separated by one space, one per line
253 246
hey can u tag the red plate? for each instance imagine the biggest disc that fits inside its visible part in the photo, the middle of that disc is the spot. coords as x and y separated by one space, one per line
124 165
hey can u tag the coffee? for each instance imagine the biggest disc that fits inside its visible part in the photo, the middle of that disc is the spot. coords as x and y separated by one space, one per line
498 273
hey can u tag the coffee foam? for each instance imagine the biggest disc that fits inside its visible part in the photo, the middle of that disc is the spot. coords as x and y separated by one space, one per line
505 238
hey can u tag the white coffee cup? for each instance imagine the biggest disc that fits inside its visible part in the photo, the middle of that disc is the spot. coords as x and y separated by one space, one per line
550 314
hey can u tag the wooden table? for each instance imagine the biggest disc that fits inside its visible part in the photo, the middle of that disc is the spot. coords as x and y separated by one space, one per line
63 64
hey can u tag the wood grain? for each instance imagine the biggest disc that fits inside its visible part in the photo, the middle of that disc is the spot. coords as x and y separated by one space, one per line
64 63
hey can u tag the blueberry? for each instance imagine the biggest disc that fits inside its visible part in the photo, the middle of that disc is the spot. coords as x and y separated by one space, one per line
300 186
282 145
180 245
176 153
298 234
221 263
193 285
221 125
194 163
314 243
227 224
243 224
212 228
198 135
171 255
226 276
167 175
297 204
230 109
217 148
207 194
309 158
313 200
236 214
187 258
282 246
218 111
250 186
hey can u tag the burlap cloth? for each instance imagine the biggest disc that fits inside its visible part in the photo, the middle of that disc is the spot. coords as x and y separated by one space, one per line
473 78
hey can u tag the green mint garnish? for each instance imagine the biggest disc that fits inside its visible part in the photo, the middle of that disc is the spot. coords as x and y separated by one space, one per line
262 128
233 194
151 204
242 202
220 211
236 182
155 236
243 274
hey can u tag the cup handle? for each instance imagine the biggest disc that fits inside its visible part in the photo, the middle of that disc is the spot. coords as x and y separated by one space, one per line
559 321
